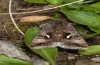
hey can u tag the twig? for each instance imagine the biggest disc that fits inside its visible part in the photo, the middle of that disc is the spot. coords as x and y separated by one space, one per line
45 9
25 9
10 13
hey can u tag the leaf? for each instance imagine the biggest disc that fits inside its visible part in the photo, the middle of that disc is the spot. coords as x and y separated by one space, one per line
96 5
81 30
30 34
37 1
94 49
34 18
10 61
75 6
55 2
82 17
69 1
93 7
90 35
48 54
95 28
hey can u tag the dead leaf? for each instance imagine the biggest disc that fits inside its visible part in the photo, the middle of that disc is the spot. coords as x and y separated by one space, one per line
34 18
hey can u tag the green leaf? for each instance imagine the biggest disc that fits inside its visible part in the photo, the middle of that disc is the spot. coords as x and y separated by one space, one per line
10 61
73 6
37 1
90 35
82 17
91 9
80 30
48 54
55 2
95 49
69 1
95 28
96 5
31 34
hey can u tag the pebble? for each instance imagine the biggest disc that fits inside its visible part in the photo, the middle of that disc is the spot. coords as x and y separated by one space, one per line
86 62
39 62
71 57
97 59
10 50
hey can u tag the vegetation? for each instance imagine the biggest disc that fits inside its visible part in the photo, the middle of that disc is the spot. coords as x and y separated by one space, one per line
81 13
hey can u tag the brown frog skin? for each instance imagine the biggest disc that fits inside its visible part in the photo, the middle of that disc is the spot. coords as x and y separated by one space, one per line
58 34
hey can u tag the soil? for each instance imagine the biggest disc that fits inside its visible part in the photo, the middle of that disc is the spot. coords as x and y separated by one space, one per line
9 33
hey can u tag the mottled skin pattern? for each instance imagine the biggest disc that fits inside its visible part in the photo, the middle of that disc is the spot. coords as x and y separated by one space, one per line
58 34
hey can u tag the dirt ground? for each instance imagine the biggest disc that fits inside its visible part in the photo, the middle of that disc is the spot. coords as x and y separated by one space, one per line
9 33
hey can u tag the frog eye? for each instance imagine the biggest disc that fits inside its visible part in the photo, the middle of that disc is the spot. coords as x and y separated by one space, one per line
48 36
